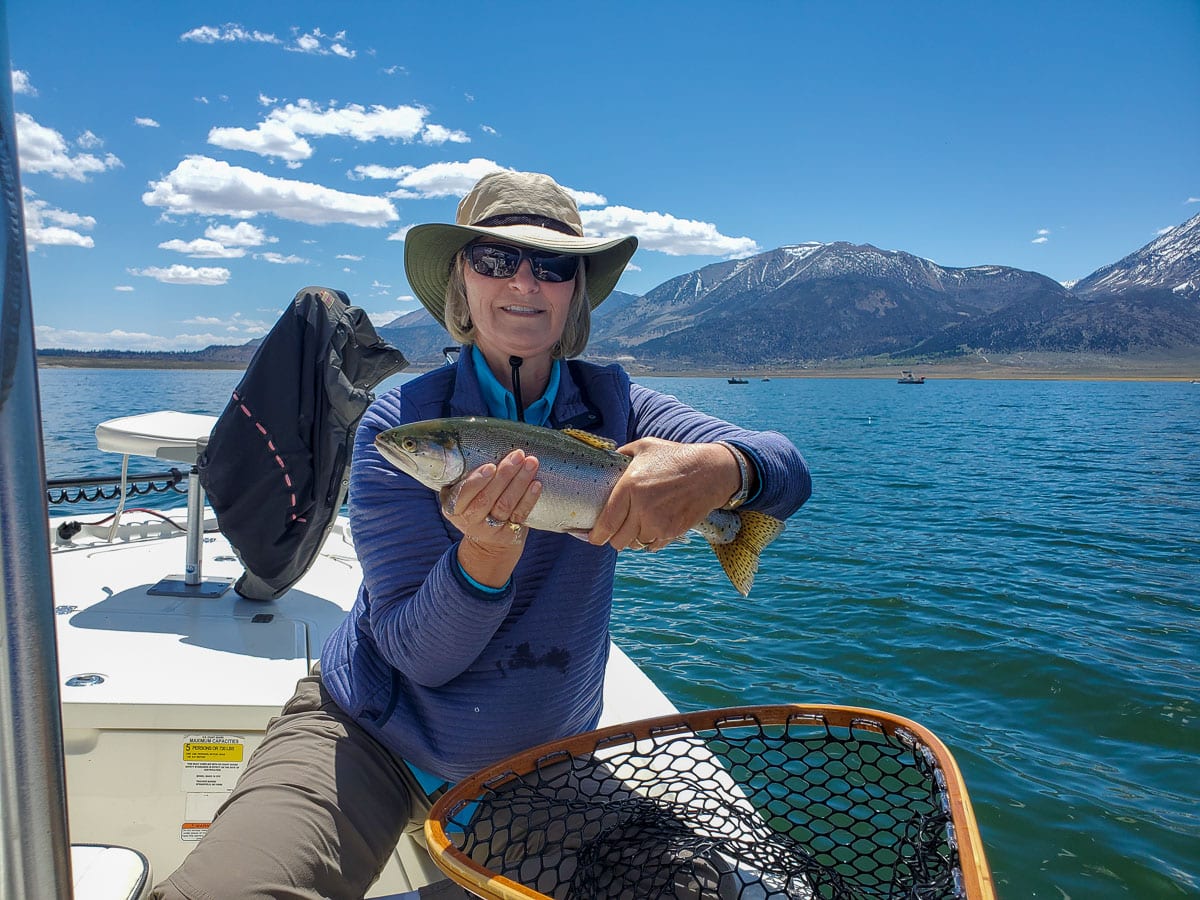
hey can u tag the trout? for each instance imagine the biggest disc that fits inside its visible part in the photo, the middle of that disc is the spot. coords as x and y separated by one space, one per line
578 471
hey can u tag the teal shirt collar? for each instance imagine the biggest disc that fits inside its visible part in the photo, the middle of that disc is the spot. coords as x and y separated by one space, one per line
502 404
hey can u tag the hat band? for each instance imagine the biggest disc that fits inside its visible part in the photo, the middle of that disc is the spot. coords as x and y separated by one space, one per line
525 219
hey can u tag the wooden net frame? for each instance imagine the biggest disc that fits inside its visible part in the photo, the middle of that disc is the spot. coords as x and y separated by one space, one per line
750 803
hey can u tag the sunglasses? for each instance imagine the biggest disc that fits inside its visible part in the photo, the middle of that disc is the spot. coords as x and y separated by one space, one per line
502 261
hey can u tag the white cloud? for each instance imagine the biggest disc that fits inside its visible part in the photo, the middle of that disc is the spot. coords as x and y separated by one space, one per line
145 122
1161 231
439 134
488 129
43 149
243 234
264 100
380 173
443 179
21 83
280 259
321 44
124 288
350 256
202 248
47 226
210 34
656 231
235 324
448 179
69 339
88 141
1192 200
586 198
281 133
379 319
1043 236
268 139
207 186
665 233
178 274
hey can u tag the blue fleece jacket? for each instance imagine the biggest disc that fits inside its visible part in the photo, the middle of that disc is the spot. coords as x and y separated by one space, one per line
452 678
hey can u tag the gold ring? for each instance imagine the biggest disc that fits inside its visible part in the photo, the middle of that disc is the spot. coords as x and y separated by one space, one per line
639 544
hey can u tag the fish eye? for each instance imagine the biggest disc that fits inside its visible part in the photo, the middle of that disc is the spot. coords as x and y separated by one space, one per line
409 445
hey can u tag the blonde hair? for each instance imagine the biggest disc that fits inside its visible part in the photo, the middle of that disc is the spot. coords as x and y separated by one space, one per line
575 333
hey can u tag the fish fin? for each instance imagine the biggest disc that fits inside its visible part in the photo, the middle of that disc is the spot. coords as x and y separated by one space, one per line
739 558
592 440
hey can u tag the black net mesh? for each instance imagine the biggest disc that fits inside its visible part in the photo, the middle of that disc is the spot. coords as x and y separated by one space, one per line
801 809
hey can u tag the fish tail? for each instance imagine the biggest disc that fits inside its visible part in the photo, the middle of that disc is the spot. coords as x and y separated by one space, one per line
739 557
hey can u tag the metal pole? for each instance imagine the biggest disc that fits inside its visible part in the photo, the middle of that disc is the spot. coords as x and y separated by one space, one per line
34 848
195 529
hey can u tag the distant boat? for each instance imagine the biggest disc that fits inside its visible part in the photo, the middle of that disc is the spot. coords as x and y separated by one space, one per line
907 377
736 380
766 379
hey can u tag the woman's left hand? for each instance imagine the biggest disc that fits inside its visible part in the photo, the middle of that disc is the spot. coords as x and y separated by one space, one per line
667 488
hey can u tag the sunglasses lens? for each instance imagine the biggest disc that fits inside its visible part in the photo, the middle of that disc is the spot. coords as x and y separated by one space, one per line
554 268
498 261
495 261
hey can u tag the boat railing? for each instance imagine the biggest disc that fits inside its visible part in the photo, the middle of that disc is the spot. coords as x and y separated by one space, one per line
102 488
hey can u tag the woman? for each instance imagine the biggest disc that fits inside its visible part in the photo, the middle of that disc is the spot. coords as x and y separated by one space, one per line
474 637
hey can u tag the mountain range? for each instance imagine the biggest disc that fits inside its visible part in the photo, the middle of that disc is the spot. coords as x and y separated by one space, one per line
815 304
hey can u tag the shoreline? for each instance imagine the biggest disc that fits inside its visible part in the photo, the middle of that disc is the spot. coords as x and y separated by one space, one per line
1167 371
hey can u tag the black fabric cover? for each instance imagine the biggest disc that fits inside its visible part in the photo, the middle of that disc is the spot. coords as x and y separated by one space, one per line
278 459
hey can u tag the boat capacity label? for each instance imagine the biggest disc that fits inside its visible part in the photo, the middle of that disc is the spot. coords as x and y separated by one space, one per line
212 762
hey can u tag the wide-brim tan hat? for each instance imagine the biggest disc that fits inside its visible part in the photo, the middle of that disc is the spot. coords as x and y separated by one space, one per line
524 209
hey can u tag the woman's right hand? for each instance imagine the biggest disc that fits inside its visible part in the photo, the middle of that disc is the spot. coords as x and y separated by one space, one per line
489 507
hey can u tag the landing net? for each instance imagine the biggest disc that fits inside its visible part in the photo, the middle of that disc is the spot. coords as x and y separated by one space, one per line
755 803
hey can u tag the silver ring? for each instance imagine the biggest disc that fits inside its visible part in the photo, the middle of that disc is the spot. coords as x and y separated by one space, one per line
494 522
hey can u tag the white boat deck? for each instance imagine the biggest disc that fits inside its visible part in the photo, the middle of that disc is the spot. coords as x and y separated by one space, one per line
165 697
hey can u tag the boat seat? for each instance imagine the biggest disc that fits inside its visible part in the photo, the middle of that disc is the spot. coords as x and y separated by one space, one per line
103 872
180 437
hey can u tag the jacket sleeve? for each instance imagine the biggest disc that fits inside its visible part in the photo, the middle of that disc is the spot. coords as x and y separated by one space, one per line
784 480
425 618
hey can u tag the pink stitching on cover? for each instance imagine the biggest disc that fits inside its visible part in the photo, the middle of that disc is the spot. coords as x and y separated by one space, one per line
287 478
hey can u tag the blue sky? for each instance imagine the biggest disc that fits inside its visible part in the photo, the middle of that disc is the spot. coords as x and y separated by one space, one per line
188 167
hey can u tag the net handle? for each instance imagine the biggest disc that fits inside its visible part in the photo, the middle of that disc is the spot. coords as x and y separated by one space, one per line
977 877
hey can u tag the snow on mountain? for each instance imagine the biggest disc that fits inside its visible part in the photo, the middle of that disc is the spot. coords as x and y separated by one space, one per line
1170 261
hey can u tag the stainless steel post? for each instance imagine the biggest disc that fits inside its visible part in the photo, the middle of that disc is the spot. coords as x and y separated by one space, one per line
195 529
34 848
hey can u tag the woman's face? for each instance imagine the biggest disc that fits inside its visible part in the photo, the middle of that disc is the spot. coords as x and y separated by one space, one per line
517 316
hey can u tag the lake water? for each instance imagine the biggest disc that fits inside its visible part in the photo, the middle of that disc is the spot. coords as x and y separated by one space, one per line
1013 564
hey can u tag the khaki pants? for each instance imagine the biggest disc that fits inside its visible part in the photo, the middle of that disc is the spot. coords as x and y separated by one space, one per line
316 814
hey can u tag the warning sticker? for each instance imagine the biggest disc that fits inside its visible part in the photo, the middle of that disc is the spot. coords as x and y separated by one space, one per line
212 762
193 831
198 812
213 749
